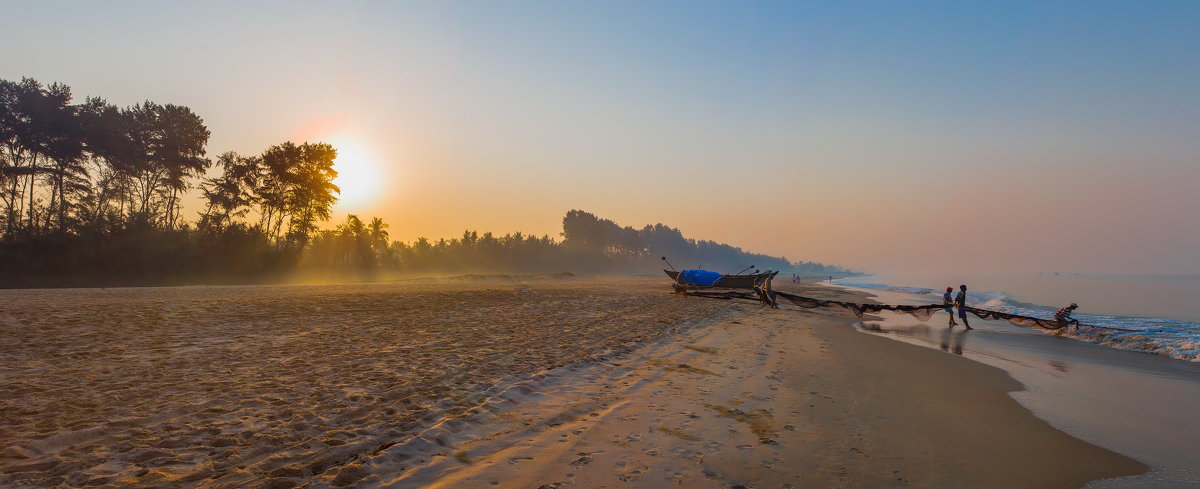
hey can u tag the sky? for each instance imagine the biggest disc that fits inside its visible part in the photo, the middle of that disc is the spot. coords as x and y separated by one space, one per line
983 137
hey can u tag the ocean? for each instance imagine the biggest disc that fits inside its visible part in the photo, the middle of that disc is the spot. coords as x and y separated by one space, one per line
1163 310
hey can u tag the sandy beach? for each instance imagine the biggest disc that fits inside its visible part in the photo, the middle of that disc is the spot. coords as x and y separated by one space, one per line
518 382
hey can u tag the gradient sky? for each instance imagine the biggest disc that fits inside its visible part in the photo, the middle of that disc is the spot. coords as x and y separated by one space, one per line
891 136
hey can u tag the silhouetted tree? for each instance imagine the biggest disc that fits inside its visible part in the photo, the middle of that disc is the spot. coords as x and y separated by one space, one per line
30 122
168 148
181 152
105 135
297 188
231 194
17 162
313 196
378 235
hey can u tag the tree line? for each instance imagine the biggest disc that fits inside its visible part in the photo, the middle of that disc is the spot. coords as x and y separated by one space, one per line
94 167
588 243
92 194
64 165
641 248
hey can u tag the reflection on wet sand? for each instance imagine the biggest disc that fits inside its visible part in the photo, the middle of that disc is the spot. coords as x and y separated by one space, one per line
948 339
953 341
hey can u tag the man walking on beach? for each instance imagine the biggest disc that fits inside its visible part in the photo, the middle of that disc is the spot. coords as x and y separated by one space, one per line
961 301
948 301
1063 316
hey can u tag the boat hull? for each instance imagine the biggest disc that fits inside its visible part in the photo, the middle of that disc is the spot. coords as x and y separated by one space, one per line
732 281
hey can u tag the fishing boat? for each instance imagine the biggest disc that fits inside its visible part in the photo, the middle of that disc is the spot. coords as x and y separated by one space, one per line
705 278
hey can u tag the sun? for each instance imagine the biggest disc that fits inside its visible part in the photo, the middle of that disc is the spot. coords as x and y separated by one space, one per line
360 176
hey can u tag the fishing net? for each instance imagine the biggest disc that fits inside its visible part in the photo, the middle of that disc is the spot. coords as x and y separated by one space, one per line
921 313
1017 319
763 293
723 295
760 294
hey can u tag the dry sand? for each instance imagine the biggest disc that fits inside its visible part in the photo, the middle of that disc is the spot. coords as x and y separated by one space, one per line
496 383
271 386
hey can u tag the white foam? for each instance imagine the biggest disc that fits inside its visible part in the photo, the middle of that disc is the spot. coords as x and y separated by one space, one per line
1170 337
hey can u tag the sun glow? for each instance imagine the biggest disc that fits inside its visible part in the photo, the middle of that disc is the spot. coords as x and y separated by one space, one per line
360 175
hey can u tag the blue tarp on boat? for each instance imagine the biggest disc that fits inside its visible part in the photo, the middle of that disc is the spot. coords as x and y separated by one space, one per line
699 277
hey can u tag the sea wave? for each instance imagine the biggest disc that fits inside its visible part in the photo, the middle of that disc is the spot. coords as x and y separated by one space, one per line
1170 337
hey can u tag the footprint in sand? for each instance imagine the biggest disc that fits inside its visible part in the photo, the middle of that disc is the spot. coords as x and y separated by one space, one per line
630 473
517 460
696 458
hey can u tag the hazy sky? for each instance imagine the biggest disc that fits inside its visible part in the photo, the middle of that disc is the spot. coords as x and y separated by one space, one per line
890 136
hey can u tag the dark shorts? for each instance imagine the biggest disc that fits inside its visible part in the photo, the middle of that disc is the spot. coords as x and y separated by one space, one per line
962 313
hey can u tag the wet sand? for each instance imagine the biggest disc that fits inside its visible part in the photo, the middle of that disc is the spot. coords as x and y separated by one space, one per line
507 382
1140 404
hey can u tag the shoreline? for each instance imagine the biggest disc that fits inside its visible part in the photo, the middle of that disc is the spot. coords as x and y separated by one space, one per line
1157 316
1092 391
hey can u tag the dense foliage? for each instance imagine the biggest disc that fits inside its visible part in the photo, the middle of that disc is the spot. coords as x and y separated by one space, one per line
92 193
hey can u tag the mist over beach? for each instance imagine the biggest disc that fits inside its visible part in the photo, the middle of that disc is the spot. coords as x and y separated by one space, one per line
580 245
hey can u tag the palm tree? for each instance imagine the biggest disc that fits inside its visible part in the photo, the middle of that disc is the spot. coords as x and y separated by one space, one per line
377 231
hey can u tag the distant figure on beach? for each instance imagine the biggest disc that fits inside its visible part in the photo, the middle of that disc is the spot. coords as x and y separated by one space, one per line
1063 316
948 301
960 300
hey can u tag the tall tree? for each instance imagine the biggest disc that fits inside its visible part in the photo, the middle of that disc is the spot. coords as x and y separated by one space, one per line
277 166
378 233
180 153
231 194
13 154
63 153
313 197
296 188
41 144
168 143
18 103
106 136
